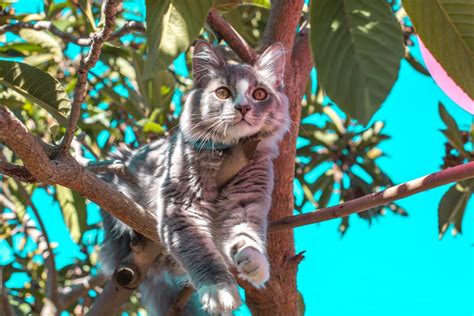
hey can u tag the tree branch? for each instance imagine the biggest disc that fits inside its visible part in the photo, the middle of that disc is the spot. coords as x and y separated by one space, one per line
126 278
372 200
98 39
129 27
67 172
280 296
19 173
282 22
70 294
225 31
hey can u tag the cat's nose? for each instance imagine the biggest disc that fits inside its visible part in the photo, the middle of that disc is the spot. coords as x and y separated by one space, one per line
243 109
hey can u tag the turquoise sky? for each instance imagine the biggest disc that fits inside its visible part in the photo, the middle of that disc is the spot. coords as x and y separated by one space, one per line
396 266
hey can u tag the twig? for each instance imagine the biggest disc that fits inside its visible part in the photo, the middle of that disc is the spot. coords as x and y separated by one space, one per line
70 294
98 40
129 27
369 201
16 172
5 307
51 277
228 34
181 300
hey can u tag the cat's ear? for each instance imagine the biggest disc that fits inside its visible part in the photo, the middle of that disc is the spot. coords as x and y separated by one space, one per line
207 61
271 64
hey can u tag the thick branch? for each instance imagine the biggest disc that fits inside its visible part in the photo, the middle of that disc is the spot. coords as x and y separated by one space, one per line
98 40
369 201
129 27
126 278
67 172
225 31
19 173
282 22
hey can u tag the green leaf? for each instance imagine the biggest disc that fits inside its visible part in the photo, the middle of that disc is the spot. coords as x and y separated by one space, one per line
171 27
451 207
73 207
86 8
45 40
11 99
447 118
357 48
446 28
455 140
37 86
152 127
326 193
231 4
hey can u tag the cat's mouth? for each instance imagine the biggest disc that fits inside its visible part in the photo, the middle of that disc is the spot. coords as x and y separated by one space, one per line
243 121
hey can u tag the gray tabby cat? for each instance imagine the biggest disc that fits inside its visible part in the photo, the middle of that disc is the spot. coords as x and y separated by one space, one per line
206 228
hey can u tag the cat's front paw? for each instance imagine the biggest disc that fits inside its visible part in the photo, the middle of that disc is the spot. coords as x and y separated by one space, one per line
219 298
253 266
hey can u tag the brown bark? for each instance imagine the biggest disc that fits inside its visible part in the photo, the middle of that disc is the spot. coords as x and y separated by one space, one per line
280 295
66 171
225 31
126 278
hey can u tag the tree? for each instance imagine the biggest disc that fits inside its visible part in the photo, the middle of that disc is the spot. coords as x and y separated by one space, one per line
122 90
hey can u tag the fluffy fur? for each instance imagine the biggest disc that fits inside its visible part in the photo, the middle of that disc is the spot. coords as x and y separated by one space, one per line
206 229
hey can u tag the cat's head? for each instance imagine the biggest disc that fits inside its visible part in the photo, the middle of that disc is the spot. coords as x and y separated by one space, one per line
232 101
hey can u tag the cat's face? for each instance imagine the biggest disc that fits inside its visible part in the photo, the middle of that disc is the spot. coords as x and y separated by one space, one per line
234 101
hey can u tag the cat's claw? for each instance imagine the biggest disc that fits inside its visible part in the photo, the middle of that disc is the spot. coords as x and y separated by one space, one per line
253 266
219 298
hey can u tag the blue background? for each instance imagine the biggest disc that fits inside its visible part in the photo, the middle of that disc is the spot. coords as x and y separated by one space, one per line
396 266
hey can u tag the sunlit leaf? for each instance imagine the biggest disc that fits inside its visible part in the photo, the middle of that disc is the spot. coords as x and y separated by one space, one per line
452 206
170 30
73 207
357 47
446 29
38 86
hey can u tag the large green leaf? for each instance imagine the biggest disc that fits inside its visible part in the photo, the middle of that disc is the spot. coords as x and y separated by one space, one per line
171 27
452 206
73 207
446 27
38 86
357 47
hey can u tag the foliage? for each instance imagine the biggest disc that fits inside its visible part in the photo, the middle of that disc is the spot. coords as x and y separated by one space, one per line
454 203
135 95
446 29
357 48
338 163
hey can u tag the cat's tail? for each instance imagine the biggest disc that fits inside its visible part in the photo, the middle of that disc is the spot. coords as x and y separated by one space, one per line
159 292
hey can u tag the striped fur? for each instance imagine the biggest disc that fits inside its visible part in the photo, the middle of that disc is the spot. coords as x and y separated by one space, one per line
206 229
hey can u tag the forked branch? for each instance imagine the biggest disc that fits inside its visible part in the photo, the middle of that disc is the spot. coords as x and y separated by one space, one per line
225 31
97 39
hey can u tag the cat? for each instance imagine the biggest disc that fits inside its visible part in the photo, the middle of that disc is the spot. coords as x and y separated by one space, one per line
205 228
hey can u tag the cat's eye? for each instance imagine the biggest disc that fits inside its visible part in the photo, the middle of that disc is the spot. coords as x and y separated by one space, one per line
260 94
223 93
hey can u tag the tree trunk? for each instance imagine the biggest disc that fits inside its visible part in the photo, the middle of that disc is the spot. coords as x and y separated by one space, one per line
280 295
